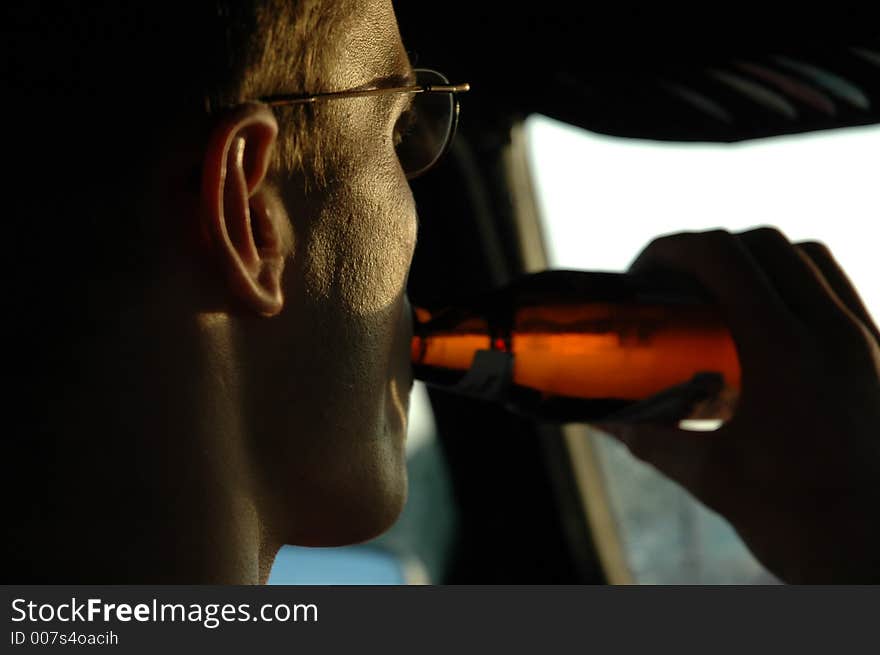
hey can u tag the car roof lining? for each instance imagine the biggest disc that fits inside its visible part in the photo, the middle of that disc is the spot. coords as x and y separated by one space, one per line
659 72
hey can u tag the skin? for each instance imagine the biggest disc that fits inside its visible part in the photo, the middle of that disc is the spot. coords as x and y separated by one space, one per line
796 469
256 393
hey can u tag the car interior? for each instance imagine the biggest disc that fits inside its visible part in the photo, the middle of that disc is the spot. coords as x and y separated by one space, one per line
501 499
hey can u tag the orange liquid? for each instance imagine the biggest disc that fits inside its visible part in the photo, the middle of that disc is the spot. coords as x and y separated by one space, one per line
594 350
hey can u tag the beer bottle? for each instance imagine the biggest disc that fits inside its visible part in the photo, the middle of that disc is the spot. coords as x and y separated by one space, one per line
568 346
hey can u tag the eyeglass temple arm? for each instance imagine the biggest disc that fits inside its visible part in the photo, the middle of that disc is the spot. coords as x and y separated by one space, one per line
280 100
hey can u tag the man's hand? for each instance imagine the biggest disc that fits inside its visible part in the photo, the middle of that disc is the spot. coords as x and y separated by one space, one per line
797 469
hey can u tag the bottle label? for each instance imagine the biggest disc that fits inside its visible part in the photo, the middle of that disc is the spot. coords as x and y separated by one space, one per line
489 376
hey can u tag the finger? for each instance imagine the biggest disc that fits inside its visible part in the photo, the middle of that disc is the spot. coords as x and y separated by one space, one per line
840 283
754 311
670 406
800 285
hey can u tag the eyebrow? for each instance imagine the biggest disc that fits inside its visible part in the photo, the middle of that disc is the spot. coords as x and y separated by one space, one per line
405 71
393 81
401 82
409 78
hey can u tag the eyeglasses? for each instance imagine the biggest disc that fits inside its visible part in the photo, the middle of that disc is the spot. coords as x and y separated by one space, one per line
426 129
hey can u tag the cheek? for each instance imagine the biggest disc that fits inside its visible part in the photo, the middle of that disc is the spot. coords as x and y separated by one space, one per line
383 246
365 244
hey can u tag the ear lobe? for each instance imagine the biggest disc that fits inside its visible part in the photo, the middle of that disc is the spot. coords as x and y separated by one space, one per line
242 223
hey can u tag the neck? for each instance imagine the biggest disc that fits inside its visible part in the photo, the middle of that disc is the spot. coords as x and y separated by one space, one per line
145 477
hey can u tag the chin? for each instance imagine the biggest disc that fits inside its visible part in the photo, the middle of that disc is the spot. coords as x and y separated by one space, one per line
369 527
353 515
351 486
348 495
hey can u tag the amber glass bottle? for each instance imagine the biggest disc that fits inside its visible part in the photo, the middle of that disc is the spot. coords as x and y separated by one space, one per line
582 346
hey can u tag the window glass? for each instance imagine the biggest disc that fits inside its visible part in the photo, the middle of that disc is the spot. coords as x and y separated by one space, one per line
602 199
359 565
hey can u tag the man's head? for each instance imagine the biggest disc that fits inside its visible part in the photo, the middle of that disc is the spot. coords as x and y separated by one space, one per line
316 259
212 255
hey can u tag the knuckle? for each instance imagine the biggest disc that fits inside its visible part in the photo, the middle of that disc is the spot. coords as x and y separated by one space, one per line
685 244
718 234
766 232
815 248
715 242
663 242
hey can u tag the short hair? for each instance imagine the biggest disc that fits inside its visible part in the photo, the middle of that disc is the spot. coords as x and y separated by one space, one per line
119 84
93 89
161 61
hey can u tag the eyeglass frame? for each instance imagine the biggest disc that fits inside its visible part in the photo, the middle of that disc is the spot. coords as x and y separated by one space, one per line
287 99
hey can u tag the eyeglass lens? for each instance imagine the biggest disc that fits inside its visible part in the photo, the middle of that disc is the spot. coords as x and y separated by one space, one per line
429 125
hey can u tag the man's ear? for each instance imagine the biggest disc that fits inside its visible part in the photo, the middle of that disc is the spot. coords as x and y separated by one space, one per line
245 228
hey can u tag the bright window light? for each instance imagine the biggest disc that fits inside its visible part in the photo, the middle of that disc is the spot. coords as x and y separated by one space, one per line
605 198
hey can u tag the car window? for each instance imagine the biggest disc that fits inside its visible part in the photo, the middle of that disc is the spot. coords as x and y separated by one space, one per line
601 199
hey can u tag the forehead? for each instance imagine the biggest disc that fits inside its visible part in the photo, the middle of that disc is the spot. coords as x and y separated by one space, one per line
369 44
